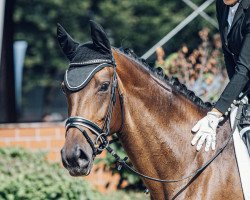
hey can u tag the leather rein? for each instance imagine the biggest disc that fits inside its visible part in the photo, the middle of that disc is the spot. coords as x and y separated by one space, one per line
101 142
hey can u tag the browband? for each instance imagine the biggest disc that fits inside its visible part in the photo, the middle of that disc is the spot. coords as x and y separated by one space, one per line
90 62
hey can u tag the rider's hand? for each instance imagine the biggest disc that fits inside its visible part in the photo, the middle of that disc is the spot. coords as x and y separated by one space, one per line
205 130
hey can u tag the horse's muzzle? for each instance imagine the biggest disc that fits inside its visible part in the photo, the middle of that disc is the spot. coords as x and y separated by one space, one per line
76 161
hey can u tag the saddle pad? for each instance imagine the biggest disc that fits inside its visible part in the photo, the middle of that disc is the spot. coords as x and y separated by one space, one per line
242 157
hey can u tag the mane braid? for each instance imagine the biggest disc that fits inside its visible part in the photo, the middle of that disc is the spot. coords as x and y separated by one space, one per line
174 82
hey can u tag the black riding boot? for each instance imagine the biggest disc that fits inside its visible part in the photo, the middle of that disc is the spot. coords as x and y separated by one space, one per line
244 125
246 139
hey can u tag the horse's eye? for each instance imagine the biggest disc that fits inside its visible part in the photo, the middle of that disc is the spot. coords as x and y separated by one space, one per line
104 87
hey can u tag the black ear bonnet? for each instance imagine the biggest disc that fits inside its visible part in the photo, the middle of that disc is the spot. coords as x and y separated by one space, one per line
85 59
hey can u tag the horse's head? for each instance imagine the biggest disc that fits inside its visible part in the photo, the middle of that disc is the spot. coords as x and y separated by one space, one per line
90 85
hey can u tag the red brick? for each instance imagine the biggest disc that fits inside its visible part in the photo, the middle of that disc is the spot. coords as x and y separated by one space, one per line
27 132
60 132
57 143
102 179
41 145
3 143
24 144
124 184
102 155
54 156
7 133
62 129
45 132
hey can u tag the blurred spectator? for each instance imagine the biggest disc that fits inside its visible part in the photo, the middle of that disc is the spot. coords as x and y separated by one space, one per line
53 117
160 56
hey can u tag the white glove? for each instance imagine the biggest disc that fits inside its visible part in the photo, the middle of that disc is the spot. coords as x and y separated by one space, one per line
206 130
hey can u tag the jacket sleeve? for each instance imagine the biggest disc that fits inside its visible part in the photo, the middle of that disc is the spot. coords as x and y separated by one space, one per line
228 59
240 77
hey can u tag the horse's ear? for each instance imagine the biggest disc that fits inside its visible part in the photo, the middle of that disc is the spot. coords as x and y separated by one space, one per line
99 37
67 44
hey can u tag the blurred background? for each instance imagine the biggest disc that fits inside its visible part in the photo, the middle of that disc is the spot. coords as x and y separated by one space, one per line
179 36
32 65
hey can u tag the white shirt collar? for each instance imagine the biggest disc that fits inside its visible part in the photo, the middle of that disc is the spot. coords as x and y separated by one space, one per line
231 14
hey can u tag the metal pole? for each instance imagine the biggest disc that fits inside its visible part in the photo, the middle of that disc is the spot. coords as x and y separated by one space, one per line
203 14
178 28
2 8
7 80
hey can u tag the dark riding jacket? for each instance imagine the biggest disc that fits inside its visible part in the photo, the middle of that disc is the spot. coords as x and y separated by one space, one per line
236 49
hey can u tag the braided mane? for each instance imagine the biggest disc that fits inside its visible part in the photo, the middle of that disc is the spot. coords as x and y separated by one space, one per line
174 82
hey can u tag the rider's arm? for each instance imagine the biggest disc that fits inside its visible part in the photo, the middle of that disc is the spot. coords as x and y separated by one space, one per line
240 78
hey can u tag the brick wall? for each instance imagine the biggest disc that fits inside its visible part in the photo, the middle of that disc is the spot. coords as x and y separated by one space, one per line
50 137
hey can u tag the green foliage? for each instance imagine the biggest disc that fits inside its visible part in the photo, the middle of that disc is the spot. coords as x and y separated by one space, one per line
136 24
140 24
35 22
28 176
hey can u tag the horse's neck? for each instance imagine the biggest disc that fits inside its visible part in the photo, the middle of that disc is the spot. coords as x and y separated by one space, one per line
156 134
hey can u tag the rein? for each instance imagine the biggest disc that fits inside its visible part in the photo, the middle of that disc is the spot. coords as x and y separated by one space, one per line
122 162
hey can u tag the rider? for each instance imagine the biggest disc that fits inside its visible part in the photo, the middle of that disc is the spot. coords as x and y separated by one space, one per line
234 25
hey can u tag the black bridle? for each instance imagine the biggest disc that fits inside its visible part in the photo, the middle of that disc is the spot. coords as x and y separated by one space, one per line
101 142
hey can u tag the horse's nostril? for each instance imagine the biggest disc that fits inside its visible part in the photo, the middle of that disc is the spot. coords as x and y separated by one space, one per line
83 159
75 158
63 156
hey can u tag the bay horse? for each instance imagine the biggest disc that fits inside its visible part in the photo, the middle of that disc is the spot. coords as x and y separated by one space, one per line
152 115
